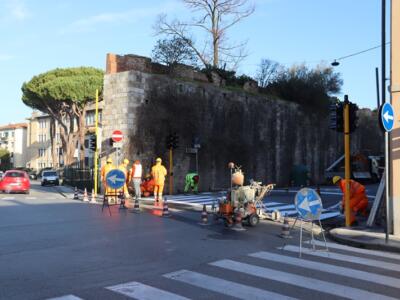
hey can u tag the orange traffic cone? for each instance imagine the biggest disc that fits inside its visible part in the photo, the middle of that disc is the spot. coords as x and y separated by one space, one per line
238 221
85 196
204 216
93 200
76 195
165 211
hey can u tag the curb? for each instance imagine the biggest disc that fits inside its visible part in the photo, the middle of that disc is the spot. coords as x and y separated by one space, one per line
379 245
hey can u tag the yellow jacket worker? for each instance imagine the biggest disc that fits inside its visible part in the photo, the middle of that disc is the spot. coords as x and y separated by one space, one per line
158 171
104 171
124 168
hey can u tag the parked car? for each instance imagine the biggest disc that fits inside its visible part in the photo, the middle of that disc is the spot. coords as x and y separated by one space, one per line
50 177
15 181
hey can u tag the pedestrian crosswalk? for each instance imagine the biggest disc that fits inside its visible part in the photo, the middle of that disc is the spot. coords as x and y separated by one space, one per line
210 199
341 272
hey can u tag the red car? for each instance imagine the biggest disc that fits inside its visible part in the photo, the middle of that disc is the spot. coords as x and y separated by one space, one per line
15 181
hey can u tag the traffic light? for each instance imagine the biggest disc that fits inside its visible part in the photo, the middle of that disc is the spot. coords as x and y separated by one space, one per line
169 141
340 117
353 119
172 141
175 141
92 143
336 116
332 115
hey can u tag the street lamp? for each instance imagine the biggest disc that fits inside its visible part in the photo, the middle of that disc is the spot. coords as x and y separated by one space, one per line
335 63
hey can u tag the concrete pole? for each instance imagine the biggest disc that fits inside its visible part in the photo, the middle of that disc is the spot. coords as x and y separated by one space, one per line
394 136
347 170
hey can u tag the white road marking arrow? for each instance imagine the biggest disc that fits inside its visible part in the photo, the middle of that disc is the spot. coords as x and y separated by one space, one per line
114 178
387 116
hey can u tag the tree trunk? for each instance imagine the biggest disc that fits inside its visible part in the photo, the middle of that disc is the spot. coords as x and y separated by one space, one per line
81 136
53 142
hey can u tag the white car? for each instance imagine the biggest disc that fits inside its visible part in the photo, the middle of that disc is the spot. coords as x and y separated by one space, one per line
50 177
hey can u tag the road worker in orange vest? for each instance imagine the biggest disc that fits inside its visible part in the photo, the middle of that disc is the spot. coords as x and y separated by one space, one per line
358 198
158 172
104 171
124 168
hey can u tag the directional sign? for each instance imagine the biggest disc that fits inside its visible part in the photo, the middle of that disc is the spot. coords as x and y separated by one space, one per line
308 204
117 136
387 116
115 179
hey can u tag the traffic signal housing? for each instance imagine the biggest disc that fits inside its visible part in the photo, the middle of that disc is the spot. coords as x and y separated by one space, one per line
353 119
92 142
336 121
172 141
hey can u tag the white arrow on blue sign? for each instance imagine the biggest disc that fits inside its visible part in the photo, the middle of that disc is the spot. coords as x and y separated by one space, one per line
115 179
308 204
387 116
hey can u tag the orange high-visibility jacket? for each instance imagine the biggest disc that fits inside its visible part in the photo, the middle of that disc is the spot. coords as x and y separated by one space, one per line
158 172
356 189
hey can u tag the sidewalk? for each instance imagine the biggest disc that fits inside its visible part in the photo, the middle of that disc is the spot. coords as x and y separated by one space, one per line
370 238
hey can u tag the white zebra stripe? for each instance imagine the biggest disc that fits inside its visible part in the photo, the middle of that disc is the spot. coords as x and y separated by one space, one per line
360 250
142 291
301 281
346 258
327 268
223 286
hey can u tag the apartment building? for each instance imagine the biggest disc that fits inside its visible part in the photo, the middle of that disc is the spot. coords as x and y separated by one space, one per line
13 139
39 143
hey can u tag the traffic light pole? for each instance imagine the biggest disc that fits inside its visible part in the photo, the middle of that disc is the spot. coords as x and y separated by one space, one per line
95 151
347 159
171 180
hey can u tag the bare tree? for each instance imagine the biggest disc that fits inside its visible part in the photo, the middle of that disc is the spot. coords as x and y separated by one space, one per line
267 72
215 17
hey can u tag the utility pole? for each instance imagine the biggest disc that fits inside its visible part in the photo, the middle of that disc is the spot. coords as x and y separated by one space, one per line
347 171
171 167
96 149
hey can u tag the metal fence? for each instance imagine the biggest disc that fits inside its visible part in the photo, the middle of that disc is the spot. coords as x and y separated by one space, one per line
78 176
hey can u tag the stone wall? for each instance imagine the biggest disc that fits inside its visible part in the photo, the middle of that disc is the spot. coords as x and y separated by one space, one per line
266 136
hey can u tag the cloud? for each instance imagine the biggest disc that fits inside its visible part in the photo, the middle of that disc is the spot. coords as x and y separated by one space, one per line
18 10
90 23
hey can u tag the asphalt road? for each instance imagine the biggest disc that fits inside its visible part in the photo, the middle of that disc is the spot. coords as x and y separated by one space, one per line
51 246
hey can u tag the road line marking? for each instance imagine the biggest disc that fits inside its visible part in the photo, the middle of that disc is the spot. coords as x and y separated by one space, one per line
327 268
67 297
31 198
142 291
8 198
347 258
223 286
360 250
272 203
291 206
297 280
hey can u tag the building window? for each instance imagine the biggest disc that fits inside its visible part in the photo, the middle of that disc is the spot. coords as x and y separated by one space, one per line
42 152
42 138
12 133
42 124
42 165
91 118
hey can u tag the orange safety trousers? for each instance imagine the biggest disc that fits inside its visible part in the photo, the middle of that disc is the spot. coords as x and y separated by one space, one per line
358 199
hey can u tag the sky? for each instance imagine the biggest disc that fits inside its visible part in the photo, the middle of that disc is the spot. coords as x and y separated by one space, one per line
40 35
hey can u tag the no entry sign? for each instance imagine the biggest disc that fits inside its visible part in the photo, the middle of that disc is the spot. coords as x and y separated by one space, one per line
117 136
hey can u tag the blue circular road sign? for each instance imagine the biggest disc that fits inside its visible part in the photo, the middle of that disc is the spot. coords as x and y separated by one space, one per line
308 204
115 179
387 116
